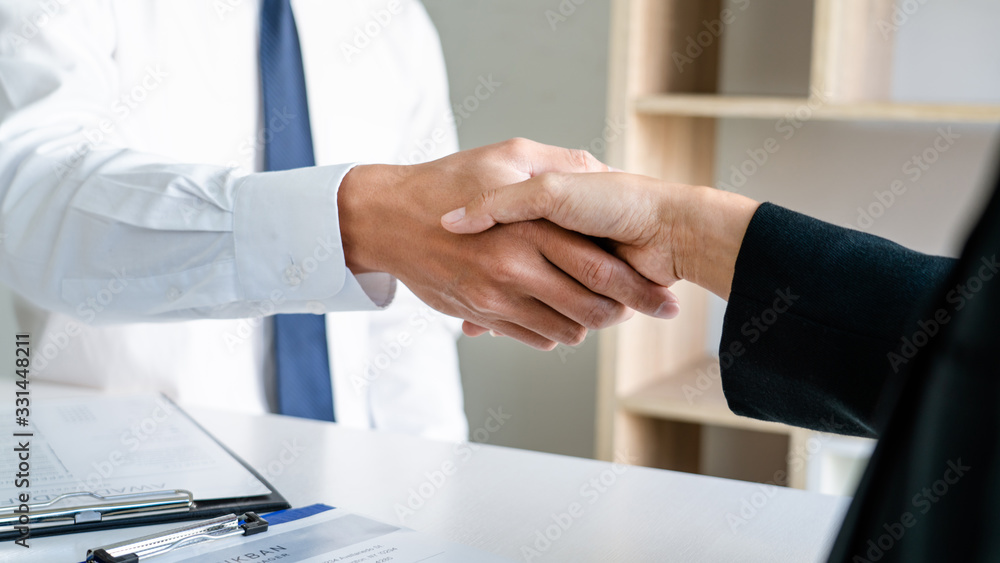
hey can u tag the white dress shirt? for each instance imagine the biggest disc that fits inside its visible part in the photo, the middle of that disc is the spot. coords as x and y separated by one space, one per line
130 133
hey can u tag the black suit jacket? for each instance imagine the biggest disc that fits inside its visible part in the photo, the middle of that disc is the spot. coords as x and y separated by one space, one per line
836 330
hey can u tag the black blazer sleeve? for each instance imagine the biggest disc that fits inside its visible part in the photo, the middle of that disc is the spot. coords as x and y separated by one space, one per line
819 318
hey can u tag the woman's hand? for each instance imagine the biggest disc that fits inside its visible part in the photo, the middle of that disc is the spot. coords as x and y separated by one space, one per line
667 232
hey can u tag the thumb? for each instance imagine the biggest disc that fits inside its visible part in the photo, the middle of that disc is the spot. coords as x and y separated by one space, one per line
525 201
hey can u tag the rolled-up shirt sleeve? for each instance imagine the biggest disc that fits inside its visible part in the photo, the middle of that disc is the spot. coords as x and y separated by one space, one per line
88 224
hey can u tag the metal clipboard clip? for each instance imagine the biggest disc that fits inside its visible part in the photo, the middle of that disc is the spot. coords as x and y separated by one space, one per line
62 510
134 551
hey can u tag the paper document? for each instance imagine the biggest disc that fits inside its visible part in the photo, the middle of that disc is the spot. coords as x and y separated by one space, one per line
331 536
113 446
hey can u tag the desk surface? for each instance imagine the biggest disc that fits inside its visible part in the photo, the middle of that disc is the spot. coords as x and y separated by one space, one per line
503 500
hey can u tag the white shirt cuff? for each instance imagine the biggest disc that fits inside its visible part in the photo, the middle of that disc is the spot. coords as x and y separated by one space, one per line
288 245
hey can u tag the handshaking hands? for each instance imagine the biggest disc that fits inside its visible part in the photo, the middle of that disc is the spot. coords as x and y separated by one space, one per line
539 243
533 280
667 232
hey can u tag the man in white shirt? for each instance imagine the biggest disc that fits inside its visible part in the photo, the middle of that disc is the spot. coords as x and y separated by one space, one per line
131 141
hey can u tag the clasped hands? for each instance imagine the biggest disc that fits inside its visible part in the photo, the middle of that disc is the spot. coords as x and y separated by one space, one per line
538 243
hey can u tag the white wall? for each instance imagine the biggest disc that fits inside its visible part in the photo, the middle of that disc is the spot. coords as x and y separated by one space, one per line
553 91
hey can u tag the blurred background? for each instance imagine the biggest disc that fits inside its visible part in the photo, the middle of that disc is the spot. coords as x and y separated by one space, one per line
550 59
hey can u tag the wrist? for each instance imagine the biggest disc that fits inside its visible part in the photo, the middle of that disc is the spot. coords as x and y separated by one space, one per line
713 225
365 193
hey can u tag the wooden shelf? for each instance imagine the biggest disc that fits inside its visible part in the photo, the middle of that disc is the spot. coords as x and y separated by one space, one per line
693 395
670 115
760 107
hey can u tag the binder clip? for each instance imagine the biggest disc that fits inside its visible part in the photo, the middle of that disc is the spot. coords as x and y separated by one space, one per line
139 549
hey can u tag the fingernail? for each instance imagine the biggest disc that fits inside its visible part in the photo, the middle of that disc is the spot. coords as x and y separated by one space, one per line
668 310
454 216
494 333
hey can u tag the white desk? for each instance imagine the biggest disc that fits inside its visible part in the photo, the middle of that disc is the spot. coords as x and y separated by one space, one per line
500 499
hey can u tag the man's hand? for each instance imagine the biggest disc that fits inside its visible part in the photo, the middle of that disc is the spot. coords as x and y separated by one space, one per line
532 281
667 232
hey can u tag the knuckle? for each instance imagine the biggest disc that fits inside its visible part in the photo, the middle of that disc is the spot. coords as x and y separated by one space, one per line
485 200
545 197
527 230
550 183
574 335
488 302
504 271
599 274
603 313
518 145
585 160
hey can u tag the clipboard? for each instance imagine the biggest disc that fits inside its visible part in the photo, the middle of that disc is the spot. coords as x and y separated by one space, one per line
86 511
140 549
223 527
310 533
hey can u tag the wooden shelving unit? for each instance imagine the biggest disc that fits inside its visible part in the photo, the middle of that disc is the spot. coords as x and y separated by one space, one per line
691 395
660 395
707 105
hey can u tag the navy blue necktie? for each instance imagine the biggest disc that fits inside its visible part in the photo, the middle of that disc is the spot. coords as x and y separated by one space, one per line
301 357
